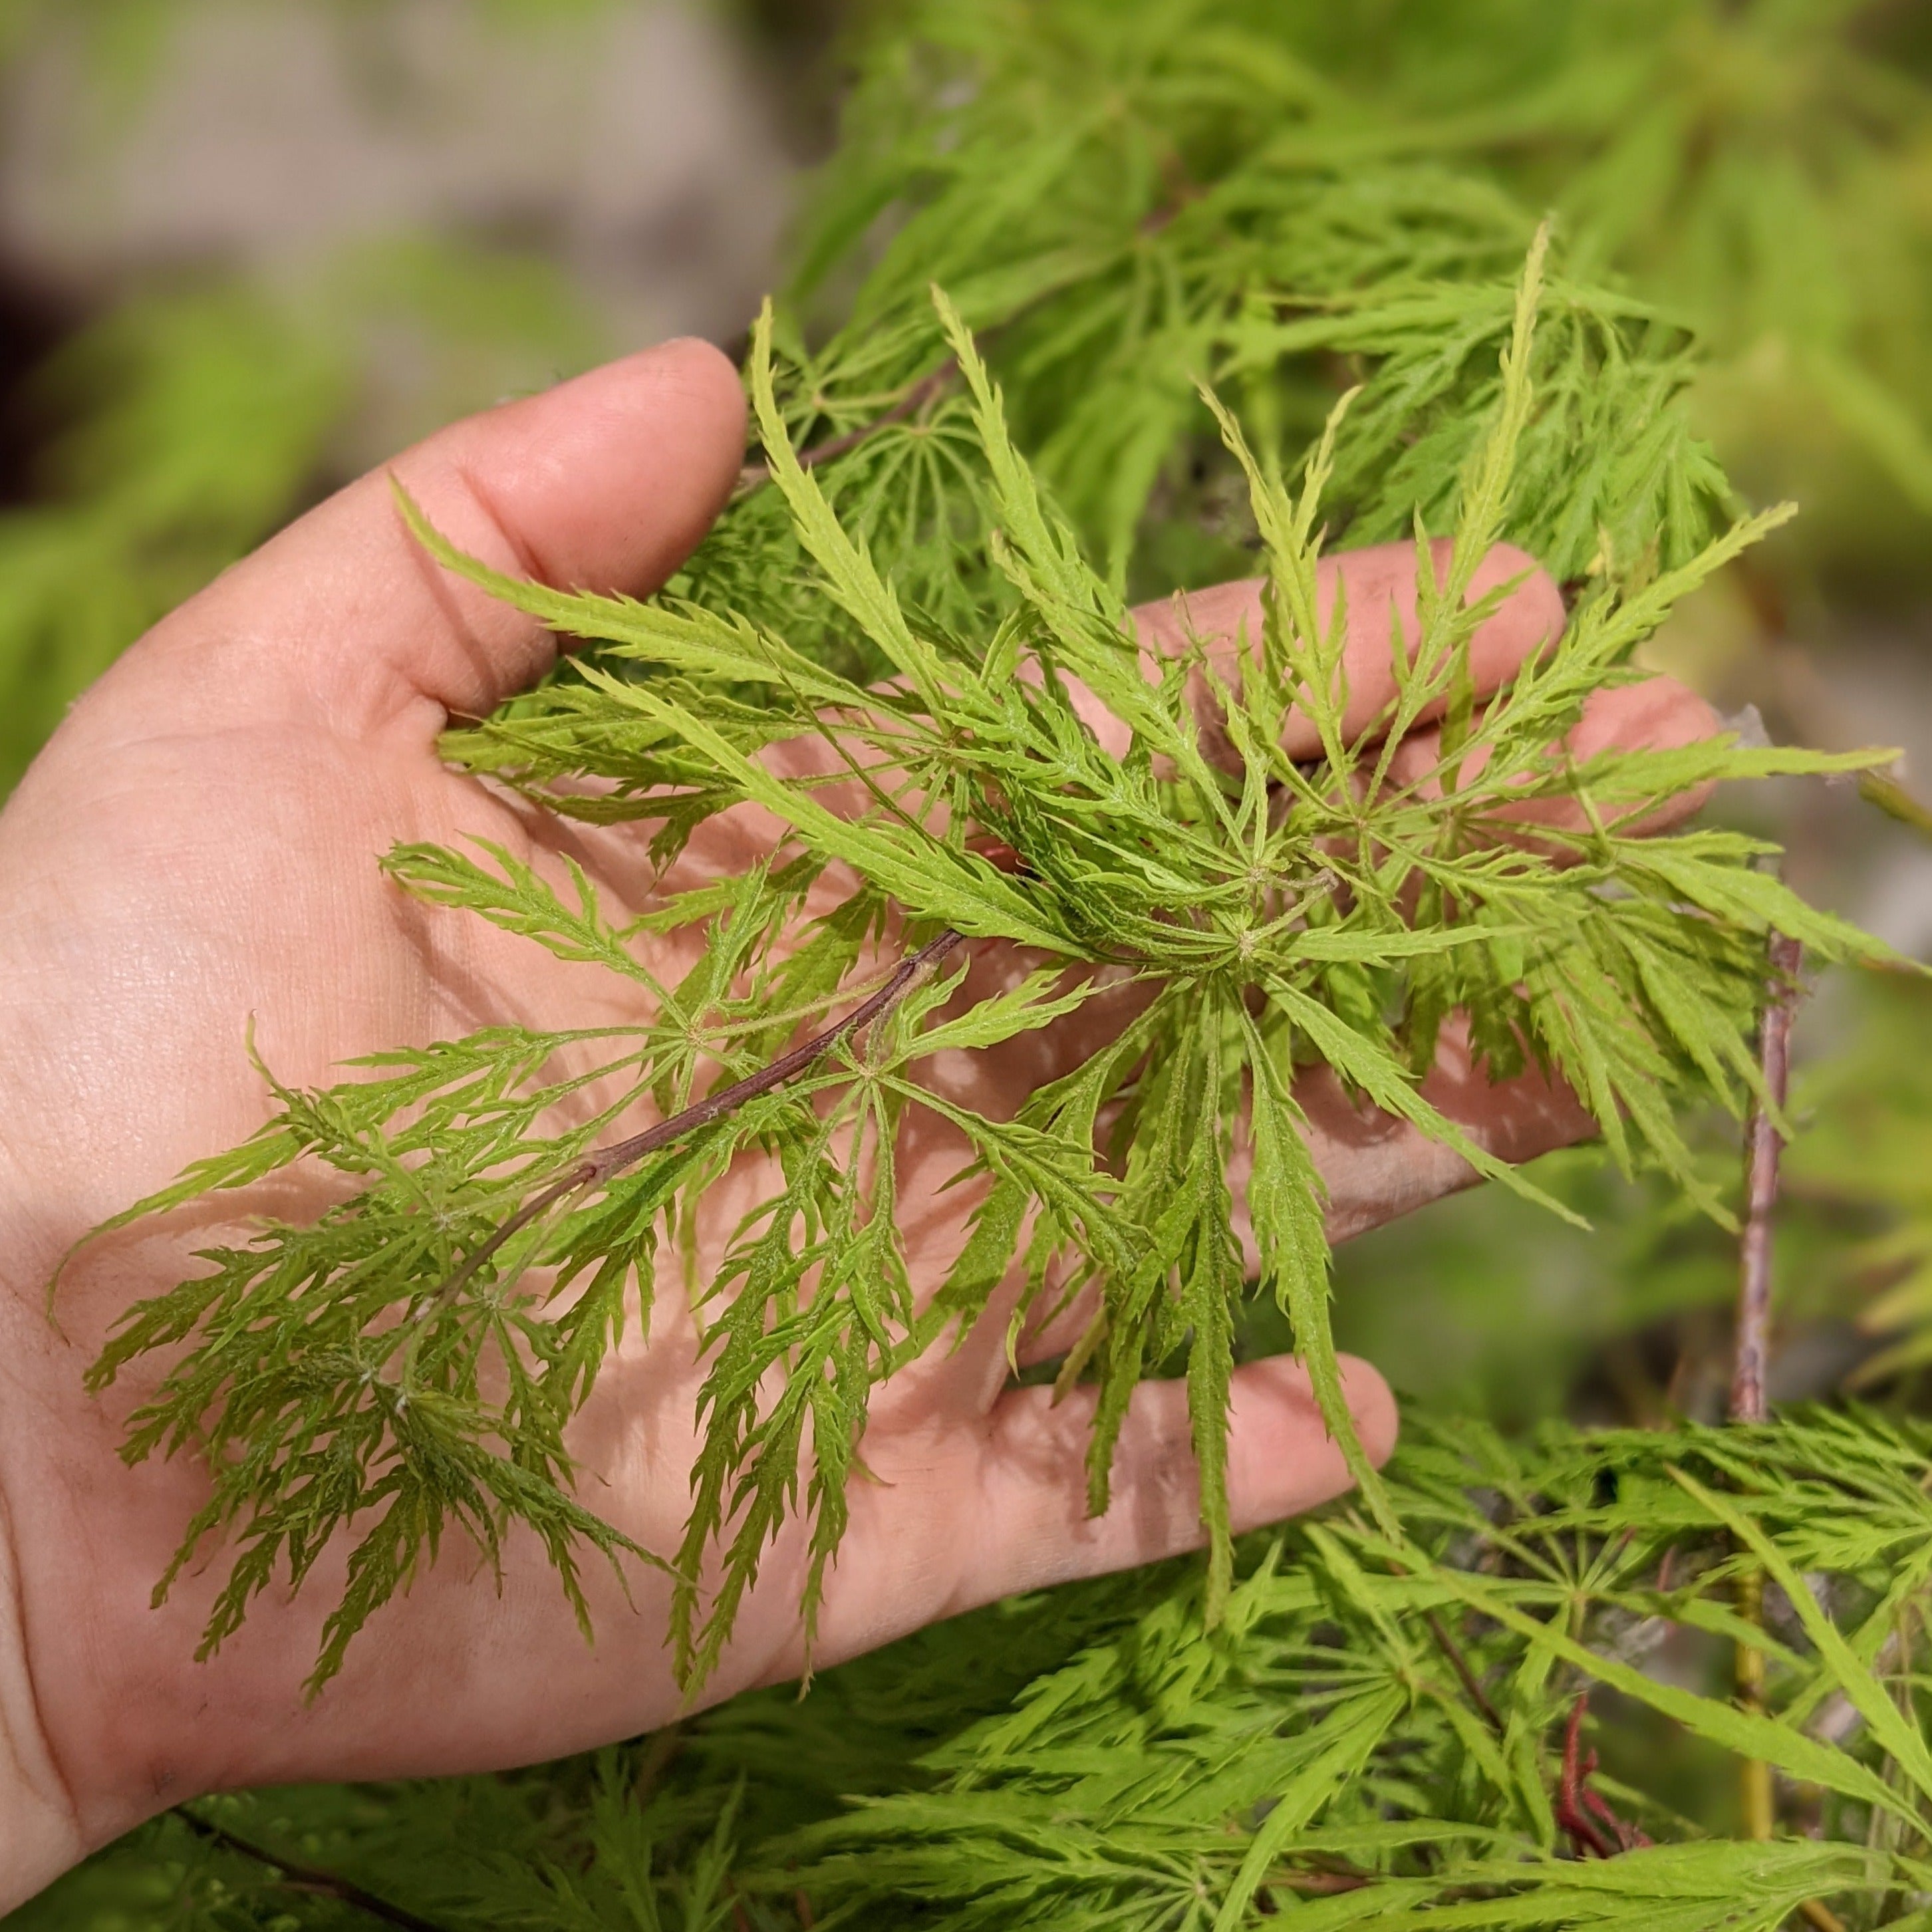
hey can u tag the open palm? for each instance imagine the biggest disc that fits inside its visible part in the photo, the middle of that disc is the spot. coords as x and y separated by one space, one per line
197 846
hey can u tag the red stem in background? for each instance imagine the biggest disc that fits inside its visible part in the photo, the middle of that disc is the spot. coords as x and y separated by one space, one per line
1579 1809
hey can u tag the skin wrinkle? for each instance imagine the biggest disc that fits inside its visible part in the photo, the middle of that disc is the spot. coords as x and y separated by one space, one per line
524 559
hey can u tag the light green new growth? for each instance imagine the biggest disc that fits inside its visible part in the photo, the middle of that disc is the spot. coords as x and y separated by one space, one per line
409 1365
1372 1739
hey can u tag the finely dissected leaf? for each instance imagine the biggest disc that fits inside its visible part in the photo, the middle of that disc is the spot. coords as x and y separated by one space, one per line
520 902
1285 1203
1748 1734
1304 1760
1383 1078
1903 1741
1347 1738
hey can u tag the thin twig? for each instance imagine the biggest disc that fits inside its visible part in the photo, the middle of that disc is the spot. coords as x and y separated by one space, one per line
1571 1817
1459 1663
306 1878
1323 1884
1763 1146
605 1164
921 393
1751 1343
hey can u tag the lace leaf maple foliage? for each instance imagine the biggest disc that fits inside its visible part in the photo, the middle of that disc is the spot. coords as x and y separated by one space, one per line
1388 1734
1374 1734
1128 189
410 1364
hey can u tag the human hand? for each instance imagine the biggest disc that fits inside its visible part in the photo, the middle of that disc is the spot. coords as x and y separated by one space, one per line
198 844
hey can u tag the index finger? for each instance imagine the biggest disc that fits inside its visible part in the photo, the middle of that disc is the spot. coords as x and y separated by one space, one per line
1379 584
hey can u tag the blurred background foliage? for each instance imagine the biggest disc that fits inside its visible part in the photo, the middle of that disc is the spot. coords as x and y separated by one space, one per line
248 247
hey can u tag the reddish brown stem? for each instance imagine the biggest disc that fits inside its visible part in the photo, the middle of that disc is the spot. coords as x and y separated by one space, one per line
921 393
1751 1344
1571 1817
1763 1147
1467 1677
306 1878
1580 1808
605 1164
1323 1884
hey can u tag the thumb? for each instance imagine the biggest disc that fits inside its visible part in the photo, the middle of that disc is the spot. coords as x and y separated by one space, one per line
606 482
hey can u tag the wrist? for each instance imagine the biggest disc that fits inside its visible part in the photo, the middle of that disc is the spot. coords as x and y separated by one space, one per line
40 1834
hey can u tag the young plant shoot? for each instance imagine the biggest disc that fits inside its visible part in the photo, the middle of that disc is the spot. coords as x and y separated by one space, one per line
1216 869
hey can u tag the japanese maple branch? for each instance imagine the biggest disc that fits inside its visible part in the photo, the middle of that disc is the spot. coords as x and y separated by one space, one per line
607 1163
